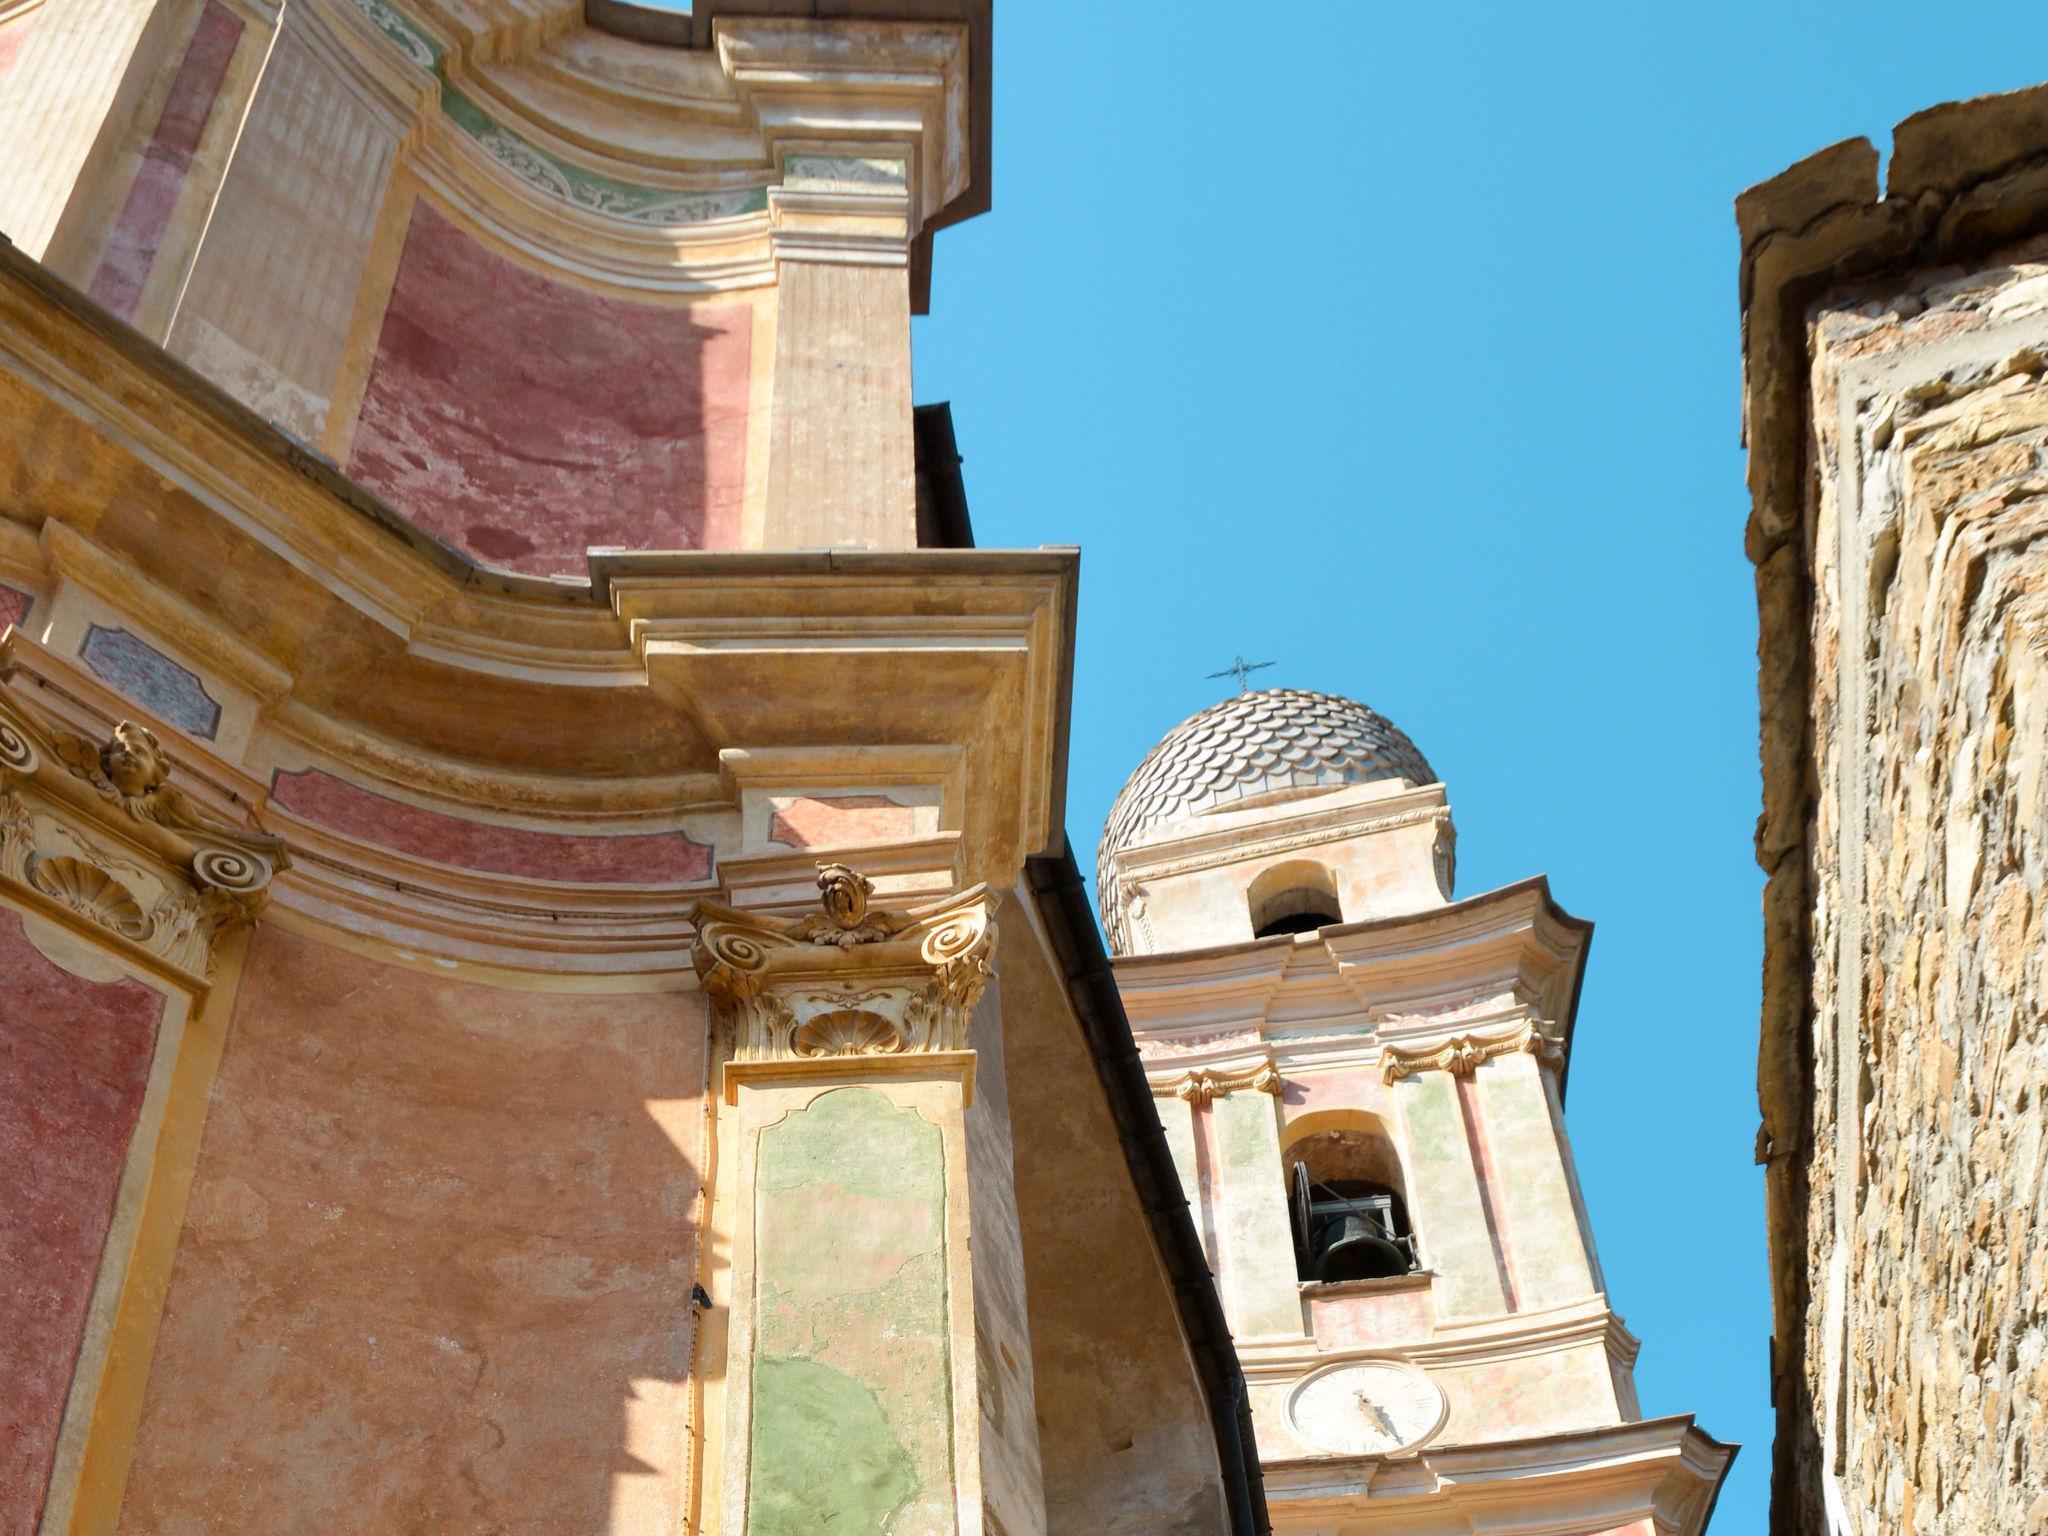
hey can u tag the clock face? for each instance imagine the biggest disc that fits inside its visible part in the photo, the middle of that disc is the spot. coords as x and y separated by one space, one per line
1366 1408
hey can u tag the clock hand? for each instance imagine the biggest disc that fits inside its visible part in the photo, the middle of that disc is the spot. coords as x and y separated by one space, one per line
1379 1413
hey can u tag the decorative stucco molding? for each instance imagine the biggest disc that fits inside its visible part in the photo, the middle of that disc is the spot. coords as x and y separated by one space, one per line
1203 1084
99 830
1462 1055
846 984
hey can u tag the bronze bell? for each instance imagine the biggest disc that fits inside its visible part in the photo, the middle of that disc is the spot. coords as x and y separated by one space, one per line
1351 1247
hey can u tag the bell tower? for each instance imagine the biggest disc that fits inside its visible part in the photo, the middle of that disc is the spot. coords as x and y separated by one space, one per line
1362 1080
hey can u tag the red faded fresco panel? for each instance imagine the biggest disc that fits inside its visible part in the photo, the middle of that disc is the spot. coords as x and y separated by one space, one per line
13 605
641 858
74 1060
527 421
843 821
145 215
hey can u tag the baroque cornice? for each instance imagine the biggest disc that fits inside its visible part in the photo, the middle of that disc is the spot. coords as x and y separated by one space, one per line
1464 1053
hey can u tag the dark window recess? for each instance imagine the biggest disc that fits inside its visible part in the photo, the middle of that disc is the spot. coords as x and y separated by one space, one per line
1349 1229
1296 922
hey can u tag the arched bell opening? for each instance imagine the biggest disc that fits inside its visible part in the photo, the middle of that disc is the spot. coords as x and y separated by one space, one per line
1296 897
1348 1200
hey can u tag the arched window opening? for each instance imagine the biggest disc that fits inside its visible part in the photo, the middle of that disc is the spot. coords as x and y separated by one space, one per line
1349 1208
1298 897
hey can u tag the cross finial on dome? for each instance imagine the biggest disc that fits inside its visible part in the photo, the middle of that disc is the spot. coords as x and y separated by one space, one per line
1242 670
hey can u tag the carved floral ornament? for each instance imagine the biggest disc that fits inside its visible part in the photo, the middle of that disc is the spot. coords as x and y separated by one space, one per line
57 790
1202 1085
848 980
1462 1055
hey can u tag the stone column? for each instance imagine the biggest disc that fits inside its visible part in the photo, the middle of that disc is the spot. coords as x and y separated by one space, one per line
878 1353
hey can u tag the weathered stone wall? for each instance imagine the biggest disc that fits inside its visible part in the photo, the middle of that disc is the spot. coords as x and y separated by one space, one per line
1928 537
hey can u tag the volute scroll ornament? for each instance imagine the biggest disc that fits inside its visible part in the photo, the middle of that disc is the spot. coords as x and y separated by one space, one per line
71 793
847 981
1203 1085
1462 1055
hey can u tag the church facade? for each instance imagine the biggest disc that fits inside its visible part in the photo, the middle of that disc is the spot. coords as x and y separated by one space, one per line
541 983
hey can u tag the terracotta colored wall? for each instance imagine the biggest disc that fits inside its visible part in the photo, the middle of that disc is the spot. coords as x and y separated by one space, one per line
138 230
436 1269
527 420
74 1061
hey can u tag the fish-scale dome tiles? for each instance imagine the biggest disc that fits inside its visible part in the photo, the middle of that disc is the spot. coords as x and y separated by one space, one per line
1245 748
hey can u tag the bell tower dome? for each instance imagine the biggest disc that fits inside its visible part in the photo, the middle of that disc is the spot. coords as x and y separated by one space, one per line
1272 812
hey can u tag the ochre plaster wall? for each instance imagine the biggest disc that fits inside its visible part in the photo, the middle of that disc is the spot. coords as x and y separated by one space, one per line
436 1267
527 420
75 1059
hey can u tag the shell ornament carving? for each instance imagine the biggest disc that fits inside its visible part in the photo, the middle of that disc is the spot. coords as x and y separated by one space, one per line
91 892
846 1032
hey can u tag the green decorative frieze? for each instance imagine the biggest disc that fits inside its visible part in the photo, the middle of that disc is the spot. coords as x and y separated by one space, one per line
561 178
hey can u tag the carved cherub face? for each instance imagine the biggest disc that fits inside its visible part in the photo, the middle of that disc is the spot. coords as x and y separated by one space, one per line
134 760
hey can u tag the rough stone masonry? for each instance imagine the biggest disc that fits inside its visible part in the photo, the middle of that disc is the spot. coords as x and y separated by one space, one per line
1896 375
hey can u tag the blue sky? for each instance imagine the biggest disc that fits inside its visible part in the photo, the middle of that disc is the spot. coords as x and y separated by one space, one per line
1399 345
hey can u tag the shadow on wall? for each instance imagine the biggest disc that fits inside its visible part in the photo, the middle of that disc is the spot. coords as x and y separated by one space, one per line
526 420
436 1268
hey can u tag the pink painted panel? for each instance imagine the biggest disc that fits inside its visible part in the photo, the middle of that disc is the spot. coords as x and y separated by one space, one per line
842 821
1311 1092
644 858
13 603
74 1061
527 420
1389 1317
13 37
153 195
435 1271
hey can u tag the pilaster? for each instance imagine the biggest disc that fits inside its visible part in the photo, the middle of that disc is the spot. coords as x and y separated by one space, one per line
1261 1292
1539 1218
71 94
875 1347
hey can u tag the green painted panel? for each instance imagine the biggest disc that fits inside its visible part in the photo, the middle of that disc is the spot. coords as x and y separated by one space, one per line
1444 1199
853 1407
1261 1290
